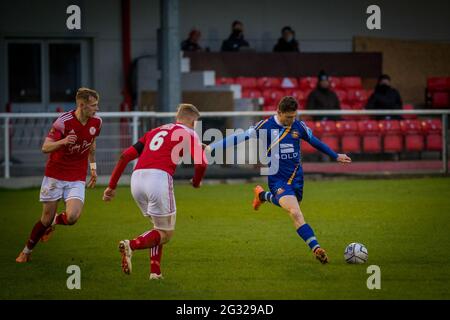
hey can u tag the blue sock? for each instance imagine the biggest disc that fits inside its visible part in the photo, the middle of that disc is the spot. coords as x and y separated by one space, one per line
269 197
307 234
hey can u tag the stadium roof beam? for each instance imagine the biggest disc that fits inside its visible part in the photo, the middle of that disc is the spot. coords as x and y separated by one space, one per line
169 86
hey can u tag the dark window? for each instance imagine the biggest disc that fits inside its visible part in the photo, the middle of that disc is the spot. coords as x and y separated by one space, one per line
65 71
24 72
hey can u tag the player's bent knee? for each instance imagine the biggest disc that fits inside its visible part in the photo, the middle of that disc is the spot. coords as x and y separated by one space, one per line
297 216
72 218
166 235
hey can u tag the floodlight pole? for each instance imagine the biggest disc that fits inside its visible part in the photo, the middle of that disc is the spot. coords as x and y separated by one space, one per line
169 93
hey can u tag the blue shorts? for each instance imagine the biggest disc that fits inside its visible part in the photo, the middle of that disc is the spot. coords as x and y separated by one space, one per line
281 188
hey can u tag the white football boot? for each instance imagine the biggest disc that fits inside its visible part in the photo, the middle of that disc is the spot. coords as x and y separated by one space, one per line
126 253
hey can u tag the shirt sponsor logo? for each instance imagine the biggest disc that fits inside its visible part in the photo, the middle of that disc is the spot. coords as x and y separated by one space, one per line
287 151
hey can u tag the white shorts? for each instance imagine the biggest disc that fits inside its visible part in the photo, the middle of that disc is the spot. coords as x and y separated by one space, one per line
53 189
152 189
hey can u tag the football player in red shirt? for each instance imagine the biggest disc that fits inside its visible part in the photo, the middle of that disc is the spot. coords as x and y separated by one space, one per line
70 144
159 152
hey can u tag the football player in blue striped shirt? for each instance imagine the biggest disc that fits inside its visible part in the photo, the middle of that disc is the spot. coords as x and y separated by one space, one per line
283 134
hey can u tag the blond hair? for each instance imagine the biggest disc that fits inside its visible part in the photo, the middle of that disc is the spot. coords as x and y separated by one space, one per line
187 111
85 93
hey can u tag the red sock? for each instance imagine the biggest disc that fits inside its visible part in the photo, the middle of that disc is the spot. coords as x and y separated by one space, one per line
155 259
36 234
61 219
146 240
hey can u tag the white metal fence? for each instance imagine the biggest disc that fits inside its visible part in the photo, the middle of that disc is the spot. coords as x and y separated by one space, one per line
23 133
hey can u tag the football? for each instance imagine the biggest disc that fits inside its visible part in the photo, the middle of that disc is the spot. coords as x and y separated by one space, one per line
356 253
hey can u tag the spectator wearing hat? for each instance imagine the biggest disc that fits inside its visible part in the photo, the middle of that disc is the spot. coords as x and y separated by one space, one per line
191 43
385 97
287 42
322 97
236 39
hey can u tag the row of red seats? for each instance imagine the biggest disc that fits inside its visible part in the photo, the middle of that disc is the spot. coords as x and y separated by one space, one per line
372 136
272 96
435 84
438 92
304 83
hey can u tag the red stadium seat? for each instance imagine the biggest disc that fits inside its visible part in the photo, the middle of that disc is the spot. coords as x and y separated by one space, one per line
268 82
306 148
269 108
335 82
358 105
326 128
348 127
438 84
433 134
351 82
346 106
370 132
296 93
310 124
409 116
246 82
272 96
288 83
342 95
392 139
357 95
251 93
413 135
440 99
350 140
308 83
224 80
327 132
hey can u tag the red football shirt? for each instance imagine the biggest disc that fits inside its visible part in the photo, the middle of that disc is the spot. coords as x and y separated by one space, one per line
69 163
165 147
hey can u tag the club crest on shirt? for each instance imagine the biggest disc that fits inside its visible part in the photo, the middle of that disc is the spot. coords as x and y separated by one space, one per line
295 134
92 130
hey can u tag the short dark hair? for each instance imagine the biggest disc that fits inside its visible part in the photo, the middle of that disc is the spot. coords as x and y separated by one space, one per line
235 22
288 104
384 77
287 28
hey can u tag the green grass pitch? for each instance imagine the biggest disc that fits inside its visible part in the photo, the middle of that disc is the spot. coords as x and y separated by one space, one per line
222 249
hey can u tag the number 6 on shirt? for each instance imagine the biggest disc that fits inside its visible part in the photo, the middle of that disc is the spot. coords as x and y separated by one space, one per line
157 140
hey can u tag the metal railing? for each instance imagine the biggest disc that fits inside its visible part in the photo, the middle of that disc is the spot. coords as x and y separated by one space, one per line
136 116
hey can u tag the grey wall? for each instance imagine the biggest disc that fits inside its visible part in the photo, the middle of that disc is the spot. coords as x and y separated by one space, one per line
320 26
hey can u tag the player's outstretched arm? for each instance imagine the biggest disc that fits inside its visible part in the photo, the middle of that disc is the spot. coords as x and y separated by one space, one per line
343 158
51 145
198 155
108 194
231 140
128 155
322 147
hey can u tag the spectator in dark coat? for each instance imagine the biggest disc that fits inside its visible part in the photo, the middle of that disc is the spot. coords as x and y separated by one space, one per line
236 39
191 43
287 42
322 97
385 97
